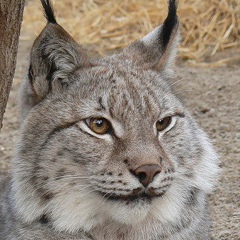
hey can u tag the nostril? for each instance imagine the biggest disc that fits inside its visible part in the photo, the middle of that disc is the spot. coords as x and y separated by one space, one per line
142 176
146 173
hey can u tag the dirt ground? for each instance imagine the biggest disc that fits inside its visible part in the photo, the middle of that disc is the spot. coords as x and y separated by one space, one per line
213 96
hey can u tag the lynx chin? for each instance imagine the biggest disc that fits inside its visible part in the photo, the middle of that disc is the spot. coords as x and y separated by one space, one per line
107 151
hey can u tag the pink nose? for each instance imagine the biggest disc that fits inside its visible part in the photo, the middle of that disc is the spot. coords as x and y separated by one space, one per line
146 173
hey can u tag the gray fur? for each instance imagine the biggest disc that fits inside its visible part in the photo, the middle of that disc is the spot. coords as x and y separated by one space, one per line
60 166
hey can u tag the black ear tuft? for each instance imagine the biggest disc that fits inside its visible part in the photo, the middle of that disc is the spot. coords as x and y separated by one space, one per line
48 9
169 24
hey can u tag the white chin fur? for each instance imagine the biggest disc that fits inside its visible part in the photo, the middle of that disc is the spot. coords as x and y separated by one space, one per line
168 207
128 214
93 211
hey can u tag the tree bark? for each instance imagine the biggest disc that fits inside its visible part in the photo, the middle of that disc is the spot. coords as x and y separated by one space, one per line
11 13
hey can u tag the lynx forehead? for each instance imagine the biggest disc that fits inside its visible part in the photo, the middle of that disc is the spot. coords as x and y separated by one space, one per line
107 150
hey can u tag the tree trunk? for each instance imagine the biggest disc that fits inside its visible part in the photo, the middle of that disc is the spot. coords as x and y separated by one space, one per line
11 13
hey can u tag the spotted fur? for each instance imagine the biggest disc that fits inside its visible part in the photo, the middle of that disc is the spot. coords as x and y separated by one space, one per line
68 182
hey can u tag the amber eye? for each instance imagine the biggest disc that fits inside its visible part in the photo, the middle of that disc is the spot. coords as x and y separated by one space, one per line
98 125
163 123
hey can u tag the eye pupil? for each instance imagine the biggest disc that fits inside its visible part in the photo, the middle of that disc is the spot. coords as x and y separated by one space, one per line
161 122
98 123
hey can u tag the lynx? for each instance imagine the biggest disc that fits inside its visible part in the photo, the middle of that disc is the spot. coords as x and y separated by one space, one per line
107 151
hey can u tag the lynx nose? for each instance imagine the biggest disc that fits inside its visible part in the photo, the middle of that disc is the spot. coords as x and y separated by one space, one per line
146 173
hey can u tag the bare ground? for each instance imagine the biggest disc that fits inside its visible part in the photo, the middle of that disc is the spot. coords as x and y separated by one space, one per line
213 96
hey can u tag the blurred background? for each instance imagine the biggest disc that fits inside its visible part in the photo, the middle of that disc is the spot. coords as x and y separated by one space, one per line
208 26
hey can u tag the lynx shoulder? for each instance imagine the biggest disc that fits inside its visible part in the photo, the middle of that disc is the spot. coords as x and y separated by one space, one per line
107 151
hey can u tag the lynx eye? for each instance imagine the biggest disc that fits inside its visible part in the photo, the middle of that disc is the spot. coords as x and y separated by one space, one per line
163 123
98 125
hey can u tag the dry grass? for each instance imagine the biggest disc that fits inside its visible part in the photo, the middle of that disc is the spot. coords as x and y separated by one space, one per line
208 26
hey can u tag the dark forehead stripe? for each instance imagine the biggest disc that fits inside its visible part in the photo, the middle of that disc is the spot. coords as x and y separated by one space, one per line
100 101
44 219
132 94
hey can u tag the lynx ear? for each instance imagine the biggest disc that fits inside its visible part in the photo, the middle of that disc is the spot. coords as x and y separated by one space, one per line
54 57
157 50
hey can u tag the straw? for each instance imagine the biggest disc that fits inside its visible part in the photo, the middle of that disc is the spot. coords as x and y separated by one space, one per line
207 26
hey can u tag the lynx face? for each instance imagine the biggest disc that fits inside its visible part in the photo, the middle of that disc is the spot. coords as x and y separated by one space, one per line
107 140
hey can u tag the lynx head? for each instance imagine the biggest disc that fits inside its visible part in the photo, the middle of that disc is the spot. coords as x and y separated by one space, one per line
107 139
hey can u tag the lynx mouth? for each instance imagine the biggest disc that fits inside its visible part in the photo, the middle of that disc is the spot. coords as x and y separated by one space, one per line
140 197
